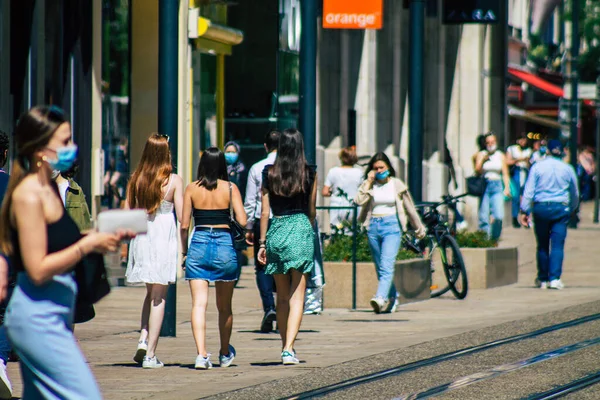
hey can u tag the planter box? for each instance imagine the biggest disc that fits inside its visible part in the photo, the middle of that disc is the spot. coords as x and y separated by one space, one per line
491 267
412 279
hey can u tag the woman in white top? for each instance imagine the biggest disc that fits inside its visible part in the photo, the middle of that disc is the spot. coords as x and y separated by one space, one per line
491 163
387 209
341 184
153 256
517 159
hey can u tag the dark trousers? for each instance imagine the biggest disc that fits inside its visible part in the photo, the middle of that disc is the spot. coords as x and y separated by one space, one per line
550 225
264 282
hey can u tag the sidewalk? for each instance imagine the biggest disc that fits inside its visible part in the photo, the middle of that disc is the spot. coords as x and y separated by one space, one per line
337 335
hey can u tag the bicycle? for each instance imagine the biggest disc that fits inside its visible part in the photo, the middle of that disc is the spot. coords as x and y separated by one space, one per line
441 237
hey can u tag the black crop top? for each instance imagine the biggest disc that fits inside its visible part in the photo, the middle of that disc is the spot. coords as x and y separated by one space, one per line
61 234
211 217
297 204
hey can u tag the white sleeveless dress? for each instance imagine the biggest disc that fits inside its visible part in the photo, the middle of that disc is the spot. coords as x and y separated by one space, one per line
153 256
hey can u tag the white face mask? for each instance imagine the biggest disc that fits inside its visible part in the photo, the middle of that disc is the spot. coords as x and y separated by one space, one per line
492 148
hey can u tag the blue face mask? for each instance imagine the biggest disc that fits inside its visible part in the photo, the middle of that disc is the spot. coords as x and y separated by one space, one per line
543 150
65 158
382 175
231 158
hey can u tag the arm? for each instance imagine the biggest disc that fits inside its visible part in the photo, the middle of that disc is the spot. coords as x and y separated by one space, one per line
264 226
573 191
529 190
505 177
480 159
364 190
186 215
178 196
510 161
238 206
327 187
252 193
413 215
312 206
31 228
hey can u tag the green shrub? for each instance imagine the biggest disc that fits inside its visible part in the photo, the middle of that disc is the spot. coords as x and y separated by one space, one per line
475 240
339 248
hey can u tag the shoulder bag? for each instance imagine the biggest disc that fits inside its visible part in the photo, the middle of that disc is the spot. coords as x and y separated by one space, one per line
476 185
238 232
91 278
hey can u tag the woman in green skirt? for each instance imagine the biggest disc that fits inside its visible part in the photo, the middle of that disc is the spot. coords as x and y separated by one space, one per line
287 246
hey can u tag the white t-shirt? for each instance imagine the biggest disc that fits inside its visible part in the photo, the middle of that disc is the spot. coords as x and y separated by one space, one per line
62 189
345 178
384 199
516 152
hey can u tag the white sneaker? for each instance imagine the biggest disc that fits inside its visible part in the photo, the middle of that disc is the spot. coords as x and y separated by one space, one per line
203 362
140 353
379 304
556 284
225 361
541 284
151 363
462 226
289 358
5 386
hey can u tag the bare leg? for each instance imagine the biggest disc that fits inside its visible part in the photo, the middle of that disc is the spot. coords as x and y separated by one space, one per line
199 290
158 297
282 282
145 315
224 296
296 309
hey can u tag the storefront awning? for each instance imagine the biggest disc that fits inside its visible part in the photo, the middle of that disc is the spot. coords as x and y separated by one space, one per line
528 116
541 84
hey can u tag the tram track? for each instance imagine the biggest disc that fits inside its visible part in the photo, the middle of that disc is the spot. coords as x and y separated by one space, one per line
399 370
568 388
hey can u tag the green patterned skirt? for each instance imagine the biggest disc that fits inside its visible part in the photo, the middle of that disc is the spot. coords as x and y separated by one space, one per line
290 244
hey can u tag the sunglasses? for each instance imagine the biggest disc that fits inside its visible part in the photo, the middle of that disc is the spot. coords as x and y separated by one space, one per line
56 112
162 135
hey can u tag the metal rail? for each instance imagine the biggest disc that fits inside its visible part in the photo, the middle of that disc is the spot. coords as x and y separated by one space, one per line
360 380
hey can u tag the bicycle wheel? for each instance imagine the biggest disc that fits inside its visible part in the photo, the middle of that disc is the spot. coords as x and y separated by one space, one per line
454 267
439 286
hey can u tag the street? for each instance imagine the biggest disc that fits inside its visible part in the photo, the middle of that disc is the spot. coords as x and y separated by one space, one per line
329 344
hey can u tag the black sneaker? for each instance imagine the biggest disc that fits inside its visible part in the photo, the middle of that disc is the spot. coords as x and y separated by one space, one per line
516 223
266 326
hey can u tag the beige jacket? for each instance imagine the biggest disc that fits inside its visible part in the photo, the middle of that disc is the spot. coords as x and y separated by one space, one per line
405 207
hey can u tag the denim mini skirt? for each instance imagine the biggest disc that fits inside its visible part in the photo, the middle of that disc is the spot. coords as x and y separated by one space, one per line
211 257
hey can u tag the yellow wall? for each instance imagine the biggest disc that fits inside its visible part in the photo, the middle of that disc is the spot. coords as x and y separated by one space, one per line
144 75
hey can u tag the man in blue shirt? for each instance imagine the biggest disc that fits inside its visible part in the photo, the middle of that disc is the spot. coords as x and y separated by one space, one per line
551 194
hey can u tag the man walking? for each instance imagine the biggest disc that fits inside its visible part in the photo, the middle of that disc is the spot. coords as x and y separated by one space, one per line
552 190
253 207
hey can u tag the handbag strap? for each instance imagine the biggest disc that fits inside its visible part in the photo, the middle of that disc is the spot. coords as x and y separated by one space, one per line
230 202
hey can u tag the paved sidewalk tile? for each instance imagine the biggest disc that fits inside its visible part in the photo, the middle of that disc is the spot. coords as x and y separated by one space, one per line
338 335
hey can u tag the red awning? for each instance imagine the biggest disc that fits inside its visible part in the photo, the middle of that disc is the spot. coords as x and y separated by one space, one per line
541 84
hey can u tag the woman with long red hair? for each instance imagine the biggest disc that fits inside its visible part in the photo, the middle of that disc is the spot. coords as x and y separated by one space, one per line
153 256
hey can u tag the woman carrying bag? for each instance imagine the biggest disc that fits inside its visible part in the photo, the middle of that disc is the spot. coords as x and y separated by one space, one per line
387 209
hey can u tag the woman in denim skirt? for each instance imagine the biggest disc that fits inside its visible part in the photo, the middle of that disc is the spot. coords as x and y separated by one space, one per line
211 256
387 209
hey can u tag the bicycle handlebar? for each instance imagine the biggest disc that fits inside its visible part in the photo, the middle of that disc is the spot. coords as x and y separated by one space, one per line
447 200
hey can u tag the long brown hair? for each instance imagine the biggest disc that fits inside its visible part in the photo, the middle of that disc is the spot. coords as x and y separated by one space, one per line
145 186
33 132
289 174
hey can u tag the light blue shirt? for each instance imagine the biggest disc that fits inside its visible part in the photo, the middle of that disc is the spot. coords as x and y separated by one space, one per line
253 203
550 180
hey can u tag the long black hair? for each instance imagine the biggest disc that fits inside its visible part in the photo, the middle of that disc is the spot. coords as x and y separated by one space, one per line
211 167
381 156
289 174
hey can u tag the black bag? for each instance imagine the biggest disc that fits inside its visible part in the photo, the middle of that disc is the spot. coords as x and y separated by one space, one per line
91 278
238 232
476 185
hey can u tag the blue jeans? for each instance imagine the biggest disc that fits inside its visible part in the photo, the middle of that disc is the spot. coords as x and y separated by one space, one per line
384 240
492 203
264 282
551 220
516 200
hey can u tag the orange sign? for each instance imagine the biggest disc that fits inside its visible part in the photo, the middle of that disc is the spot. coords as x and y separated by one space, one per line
353 14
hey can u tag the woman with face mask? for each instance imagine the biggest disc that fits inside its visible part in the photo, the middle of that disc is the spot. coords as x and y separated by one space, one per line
45 247
491 163
387 209
236 170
